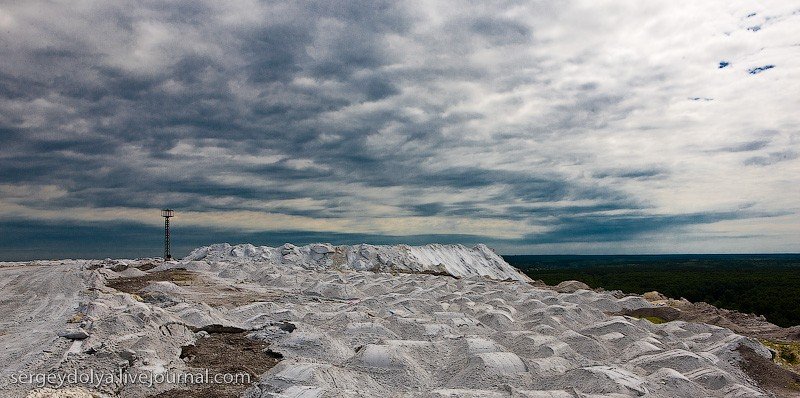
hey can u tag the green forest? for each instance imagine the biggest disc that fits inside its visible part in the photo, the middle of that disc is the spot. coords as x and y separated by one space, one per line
766 285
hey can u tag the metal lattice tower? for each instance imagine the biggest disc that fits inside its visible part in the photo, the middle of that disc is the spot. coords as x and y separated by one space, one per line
167 213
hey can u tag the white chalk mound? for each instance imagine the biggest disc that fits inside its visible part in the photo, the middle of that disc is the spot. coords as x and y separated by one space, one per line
404 333
455 260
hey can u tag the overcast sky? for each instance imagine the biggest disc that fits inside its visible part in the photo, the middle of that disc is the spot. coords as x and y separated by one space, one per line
534 126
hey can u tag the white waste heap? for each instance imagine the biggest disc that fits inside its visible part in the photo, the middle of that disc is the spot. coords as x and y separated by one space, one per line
404 330
455 260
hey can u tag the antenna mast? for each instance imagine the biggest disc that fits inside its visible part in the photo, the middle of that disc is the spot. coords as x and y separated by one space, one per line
167 213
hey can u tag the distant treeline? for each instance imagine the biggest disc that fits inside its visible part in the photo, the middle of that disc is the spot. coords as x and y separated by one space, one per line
766 285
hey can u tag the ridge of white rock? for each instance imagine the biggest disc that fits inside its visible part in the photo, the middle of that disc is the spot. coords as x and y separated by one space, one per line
455 260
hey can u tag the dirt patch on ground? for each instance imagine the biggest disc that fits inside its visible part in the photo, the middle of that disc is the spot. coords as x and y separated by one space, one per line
666 313
230 354
425 272
750 325
225 352
202 289
148 266
133 285
769 375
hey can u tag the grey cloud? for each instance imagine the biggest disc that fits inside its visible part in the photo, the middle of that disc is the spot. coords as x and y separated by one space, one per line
642 173
772 158
746 146
377 88
501 31
274 53
594 228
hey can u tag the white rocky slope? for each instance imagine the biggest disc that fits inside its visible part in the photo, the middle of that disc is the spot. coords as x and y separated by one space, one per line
385 334
455 260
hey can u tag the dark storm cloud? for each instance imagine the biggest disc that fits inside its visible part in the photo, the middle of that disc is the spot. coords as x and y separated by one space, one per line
615 228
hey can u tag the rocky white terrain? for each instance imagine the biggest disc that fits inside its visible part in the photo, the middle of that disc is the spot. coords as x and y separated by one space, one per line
356 321
454 260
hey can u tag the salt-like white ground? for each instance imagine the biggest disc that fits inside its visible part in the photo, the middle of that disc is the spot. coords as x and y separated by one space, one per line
456 260
394 333
35 302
